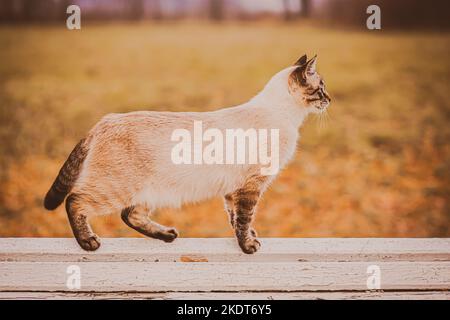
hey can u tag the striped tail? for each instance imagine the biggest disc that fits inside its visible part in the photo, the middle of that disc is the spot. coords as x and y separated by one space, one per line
67 176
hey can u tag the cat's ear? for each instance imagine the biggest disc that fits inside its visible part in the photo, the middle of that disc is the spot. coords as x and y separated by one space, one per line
305 69
301 61
310 67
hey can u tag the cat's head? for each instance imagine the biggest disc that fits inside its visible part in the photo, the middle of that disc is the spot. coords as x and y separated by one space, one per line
307 86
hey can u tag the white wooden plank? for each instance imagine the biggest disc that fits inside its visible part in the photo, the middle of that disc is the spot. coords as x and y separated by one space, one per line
227 250
358 295
214 276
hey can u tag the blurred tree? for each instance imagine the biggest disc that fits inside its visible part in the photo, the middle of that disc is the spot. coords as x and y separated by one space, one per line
287 10
156 13
398 14
6 10
62 10
136 9
305 8
216 9
29 8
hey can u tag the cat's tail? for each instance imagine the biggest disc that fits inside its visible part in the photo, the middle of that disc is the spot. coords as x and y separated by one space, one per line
67 176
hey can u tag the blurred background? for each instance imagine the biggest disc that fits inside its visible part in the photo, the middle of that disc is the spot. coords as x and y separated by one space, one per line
377 166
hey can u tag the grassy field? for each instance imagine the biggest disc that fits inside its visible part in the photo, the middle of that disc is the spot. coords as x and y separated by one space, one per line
378 166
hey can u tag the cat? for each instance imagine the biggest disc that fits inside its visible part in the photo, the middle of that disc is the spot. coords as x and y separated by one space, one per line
123 164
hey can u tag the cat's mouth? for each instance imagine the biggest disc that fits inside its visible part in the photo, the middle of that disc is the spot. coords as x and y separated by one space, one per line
323 106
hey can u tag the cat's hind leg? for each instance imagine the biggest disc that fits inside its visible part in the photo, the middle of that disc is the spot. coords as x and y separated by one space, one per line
137 218
78 209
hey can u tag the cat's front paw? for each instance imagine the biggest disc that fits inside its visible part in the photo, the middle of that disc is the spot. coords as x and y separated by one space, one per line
250 245
91 243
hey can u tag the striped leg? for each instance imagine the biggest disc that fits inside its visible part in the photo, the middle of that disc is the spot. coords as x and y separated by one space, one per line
229 208
78 211
241 207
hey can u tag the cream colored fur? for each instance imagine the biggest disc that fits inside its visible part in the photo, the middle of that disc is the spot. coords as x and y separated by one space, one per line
129 159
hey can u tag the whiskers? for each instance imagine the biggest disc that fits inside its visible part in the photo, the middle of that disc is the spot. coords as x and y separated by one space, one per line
322 120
